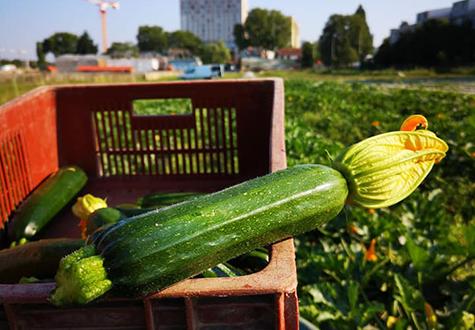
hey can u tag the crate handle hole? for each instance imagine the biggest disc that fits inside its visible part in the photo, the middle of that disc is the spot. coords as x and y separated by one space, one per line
164 107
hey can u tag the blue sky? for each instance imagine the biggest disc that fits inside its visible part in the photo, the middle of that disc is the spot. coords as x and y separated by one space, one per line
23 22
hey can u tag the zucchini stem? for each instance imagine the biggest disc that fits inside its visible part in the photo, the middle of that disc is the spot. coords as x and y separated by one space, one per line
81 278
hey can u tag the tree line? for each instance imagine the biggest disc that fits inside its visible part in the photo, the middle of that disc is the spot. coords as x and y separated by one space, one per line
150 39
435 43
345 39
64 43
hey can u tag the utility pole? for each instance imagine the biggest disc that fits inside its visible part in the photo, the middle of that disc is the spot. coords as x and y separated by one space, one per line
104 5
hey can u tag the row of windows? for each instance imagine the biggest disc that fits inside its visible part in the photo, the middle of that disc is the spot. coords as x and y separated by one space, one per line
208 6
208 33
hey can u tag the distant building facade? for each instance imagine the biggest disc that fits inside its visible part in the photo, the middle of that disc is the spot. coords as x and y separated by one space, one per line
213 20
396 33
460 12
443 13
295 33
463 11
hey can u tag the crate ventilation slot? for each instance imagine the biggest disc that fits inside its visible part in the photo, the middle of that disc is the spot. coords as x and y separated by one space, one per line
204 142
15 182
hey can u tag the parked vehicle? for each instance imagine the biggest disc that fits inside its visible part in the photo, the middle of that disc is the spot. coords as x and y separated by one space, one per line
203 72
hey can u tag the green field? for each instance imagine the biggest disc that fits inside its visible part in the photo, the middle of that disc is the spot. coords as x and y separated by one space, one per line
422 275
14 85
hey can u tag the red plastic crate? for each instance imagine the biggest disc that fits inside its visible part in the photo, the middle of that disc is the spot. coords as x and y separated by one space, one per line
234 132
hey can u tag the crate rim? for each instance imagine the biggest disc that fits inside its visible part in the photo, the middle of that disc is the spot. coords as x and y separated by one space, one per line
273 279
59 87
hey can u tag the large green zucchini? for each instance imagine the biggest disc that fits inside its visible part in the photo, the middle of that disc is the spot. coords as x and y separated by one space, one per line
46 201
149 252
157 249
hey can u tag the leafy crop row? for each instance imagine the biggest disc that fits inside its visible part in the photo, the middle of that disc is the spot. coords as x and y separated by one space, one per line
412 265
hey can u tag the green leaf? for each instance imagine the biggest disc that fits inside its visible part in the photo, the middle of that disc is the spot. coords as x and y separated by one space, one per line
410 298
469 235
353 290
371 310
419 256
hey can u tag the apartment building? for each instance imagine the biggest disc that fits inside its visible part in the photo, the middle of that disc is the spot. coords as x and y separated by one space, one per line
213 20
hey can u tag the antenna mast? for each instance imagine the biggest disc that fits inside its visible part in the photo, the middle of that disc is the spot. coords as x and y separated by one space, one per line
104 5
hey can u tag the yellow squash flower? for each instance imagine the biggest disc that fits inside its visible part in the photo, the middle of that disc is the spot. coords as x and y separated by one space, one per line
386 168
86 205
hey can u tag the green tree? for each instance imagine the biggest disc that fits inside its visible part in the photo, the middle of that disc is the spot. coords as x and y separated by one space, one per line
316 50
123 49
215 52
61 43
85 45
361 12
269 29
185 40
41 56
360 35
345 39
152 39
383 56
334 44
240 37
308 55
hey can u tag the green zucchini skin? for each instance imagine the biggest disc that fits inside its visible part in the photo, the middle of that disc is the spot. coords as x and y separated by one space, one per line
165 199
134 211
251 262
46 201
103 217
223 270
38 259
152 251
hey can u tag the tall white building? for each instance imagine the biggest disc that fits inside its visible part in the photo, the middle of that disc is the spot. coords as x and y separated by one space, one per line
294 33
213 20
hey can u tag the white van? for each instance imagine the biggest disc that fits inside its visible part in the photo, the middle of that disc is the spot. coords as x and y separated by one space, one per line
203 72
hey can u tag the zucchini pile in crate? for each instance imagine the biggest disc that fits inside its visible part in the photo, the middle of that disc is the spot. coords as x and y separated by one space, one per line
151 251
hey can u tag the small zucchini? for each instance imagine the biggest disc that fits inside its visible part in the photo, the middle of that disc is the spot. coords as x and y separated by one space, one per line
46 201
131 210
38 259
251 262
223 270
165 199
103 217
